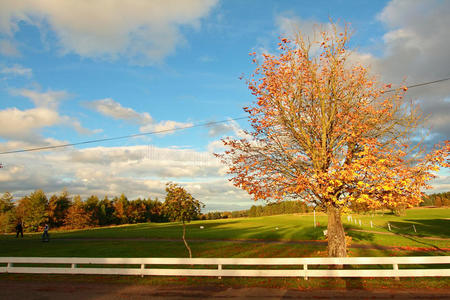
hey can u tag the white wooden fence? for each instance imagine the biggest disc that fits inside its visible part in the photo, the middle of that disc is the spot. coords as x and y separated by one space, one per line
218 267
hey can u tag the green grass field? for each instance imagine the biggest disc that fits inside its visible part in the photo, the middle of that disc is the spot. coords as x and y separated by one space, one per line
272 236
220 238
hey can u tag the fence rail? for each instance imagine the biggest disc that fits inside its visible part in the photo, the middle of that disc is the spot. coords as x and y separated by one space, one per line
413 266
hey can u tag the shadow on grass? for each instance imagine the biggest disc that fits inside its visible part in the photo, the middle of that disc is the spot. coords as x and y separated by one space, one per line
424 227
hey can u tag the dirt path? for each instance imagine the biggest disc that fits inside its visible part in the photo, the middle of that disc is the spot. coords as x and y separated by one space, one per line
34 290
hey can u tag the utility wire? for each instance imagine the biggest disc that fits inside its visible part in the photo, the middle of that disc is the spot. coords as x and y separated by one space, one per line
123 137
421 84
173 129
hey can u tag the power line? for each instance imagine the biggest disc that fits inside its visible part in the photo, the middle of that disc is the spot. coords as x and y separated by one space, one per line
172 129
421 84
124 136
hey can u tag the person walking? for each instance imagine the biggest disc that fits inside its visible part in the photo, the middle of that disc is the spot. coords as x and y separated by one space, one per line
19 229
45 236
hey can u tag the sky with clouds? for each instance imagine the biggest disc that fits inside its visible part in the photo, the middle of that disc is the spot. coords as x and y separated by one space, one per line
78 70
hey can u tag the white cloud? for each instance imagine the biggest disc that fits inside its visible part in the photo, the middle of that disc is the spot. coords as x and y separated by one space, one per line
290 25
143 31
109 107
417 45
17 70
164 127
137 171
7 48
49 99
25 125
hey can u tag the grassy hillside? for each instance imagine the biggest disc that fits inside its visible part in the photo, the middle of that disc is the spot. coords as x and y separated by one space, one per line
219 238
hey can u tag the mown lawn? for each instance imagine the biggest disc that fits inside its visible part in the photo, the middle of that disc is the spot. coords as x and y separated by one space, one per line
218 237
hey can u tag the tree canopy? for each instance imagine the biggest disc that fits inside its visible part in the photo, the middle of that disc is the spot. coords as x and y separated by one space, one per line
180 206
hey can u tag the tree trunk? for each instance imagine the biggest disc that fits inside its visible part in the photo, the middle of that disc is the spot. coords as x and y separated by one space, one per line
184 240
336 236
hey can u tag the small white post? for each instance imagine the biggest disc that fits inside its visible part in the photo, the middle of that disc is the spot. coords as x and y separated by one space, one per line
360 223
314 217
142 270
389 226
219 267
10 265
305 270
73 266
371 224
414 228
396 271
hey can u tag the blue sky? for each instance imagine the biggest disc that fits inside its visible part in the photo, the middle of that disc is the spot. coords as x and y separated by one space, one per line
80 70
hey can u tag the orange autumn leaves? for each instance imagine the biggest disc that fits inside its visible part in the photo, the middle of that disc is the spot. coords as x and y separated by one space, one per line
328 132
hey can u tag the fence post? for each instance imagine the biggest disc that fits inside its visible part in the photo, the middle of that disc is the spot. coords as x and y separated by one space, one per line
219 267
395 266
414 228
305 271
142 270
389 226
360 223
371 224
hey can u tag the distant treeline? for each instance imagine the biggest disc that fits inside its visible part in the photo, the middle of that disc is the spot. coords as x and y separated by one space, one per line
439 200
63 211
278 208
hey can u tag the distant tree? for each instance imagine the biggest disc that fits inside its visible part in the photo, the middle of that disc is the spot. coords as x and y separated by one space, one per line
91 205
77 216
106 212
32 210
156 210
182 207
6 213
120 209
58 207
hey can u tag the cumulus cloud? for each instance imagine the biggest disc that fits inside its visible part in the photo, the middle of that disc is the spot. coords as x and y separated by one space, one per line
50 99
142 31
111 108
417 45
165 127
25 125
16 70
290 25
219 129
137 171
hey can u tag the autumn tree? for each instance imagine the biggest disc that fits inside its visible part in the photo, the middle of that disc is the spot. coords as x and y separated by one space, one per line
180 206
32 210
6 212
77 216
120 209
57 209
327 132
